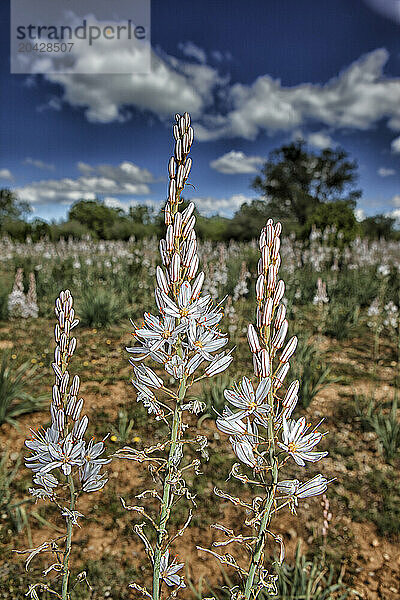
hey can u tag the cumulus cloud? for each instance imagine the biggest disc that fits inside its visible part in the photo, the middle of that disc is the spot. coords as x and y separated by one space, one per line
39 164
395 145
6 174
359 214
235 162
190 50
396 200
107 180
222 206
387 8
171 85
357 98
384 172
319 139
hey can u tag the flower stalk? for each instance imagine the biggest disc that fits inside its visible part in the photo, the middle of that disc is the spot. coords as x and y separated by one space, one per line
183 338
262 433
64 465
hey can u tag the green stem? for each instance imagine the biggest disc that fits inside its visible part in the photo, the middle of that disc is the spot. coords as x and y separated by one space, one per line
68 543
167 494
259 547
265 521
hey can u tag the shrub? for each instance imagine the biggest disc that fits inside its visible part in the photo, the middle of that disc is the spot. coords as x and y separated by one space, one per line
312 372
341 319
99 308
14 399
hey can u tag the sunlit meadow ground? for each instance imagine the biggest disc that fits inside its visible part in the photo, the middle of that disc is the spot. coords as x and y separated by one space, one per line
364 535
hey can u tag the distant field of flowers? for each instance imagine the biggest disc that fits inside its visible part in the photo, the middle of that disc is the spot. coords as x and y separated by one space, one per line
343 305
191 357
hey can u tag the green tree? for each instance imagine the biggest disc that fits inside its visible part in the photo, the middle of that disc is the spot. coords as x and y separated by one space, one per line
12 212
295 181
96 216
247 221
338 214
380 226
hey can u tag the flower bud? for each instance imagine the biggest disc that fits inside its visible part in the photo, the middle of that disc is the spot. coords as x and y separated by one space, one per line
289 350
175 267
253 340
279 291
171 167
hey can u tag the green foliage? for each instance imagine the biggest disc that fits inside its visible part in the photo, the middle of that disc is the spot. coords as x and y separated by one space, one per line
380 226
3 305
245 224
302 580
295 181
213 395
15 511
308 366
386 427
339 214
100 307
384 511
357 286
341 318
15 399
69 229
124 427
309 580
95 215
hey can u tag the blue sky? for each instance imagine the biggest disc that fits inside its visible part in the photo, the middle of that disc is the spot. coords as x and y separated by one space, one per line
253 75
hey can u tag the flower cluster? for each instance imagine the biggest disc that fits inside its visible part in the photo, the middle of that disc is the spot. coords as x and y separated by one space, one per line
61 459
21 305
262 432
184 339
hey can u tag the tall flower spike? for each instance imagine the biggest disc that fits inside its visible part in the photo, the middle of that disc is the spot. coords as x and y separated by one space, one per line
60 457
262 433
184 339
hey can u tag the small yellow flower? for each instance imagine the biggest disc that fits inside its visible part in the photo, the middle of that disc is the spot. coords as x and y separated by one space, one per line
85 363
33 361
13 356
108 342
136 439
113 438
43 355
41 364
94 330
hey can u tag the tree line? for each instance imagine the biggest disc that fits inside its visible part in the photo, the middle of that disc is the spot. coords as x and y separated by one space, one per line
302 188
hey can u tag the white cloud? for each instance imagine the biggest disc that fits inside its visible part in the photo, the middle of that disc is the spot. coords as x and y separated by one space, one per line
107 180
190 50
170 86
235 162
222 206
319 139
39 164
387 8
359 214
357 98
384 172
396 200
395 145
6 174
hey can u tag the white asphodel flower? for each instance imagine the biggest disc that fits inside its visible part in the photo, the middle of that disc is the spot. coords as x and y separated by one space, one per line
298 443
244 445
168 572
250 402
